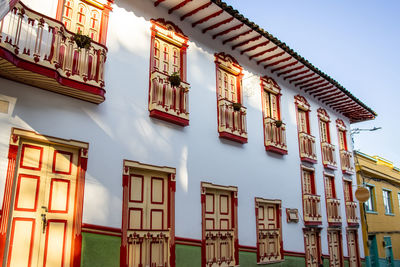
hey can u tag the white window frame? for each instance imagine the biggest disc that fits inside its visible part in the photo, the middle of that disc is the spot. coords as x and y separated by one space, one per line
389 202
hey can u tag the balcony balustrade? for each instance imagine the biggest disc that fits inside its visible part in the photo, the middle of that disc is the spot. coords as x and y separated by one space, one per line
312 209
220 248
148 248
328 155
333 211
307 147
269 246
275 137
166 102
345 160
231 122
39 51
351 212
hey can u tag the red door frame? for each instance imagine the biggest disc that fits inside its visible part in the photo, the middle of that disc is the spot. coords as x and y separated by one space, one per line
15 140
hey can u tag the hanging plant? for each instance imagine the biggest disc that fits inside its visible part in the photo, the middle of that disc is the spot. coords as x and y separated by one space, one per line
278 123
236 106
175 79
82 41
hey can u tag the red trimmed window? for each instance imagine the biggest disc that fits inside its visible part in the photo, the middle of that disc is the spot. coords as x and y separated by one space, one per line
148 215
220 243
345 154
332 203
168 101
351 206
311 201
82 16
306 140
327 149
269 230
274 128
232 123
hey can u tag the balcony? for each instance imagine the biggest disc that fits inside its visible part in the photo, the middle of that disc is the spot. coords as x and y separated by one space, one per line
275 137
328 156
148 248
220 249
351 208
333 211
312 209
345 160
269 245
231 123
39 51
166 102
307 148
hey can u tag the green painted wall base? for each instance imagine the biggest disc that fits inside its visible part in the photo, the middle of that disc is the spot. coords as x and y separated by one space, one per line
100 250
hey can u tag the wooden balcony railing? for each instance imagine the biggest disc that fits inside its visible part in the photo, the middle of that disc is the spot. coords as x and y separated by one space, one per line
148 248
312 209
328 155
166 102
269 245
232 123
220 249
39 51
307 147
275 137
333 211
345 160
351 212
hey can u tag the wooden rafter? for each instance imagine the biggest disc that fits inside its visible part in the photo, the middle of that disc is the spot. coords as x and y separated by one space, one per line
296 74
323 92
338 102
178 6
194 11
290 70
228 30
236 36
271 57
284 66
156 3
311 84
277 62
246 42
263 52
308 80
213 15
301 77
254 47
316 87
216 25
330 96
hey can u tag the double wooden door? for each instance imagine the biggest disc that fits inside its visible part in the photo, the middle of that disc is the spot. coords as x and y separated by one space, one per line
353 248
312 247
335 249
41 221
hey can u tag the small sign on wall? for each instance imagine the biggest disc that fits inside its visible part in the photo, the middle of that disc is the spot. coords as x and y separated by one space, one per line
292 215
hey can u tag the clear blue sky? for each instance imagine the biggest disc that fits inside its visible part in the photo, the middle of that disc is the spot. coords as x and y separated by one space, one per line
355 42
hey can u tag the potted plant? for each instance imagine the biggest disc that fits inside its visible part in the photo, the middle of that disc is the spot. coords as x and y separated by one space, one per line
236 106
175 79
278 123
82 41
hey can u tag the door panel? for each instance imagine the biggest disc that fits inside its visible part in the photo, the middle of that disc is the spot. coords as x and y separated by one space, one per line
42 218
335 249
312 248
353 249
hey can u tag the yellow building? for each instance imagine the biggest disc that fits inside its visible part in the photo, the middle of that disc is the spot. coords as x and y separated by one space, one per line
380 214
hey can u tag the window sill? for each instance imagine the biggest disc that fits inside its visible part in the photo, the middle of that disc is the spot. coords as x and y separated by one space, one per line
389 214
371 212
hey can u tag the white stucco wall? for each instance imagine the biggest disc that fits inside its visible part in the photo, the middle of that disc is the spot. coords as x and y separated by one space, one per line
120 128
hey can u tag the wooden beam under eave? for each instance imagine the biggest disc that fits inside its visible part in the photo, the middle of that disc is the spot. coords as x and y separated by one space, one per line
322 90
156 3
318 86
246 42
301 77
308 80
194 11
327 97
178 6
271 57
216 25
255 47
213 15
263 52
236 36
228 30
278 62
290 70
311 84
342 102
284 66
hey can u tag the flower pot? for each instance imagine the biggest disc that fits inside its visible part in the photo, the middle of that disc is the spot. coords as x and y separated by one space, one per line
82 41
236 106
175 79
278 123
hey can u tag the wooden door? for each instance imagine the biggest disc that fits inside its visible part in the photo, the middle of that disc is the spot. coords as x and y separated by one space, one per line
42 217
335 249
342 140
148 232
324 131
308 182
312 248
268 232
353 248
218 222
